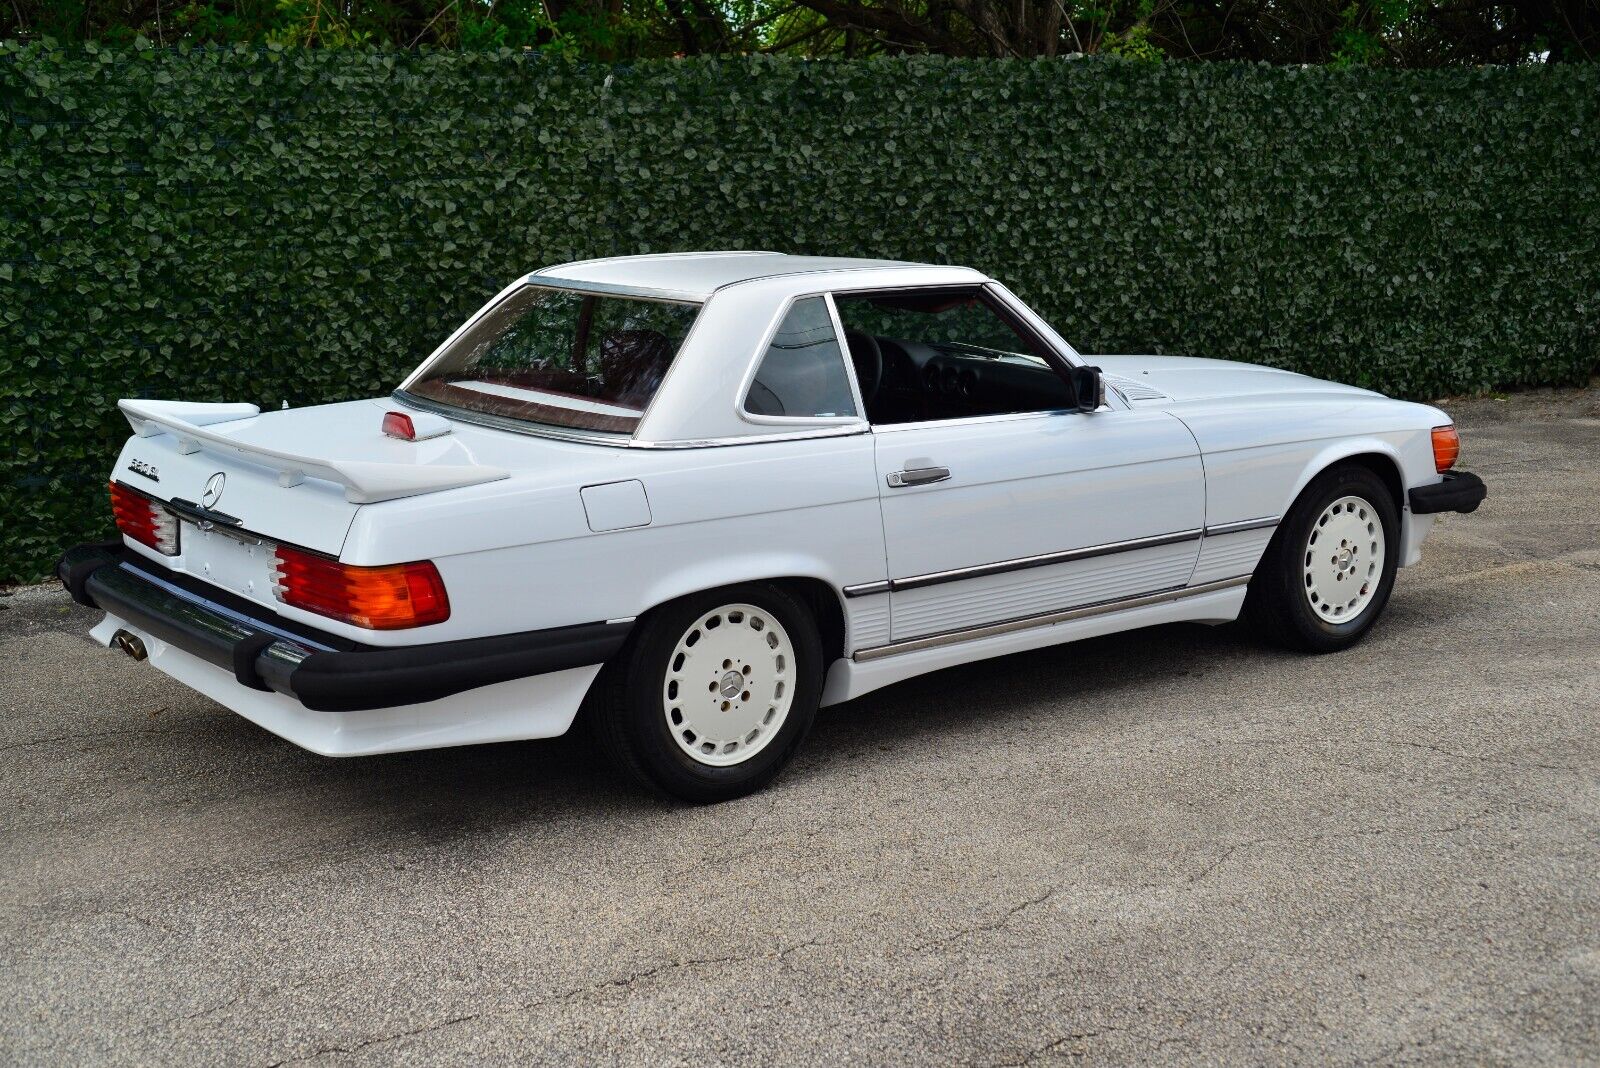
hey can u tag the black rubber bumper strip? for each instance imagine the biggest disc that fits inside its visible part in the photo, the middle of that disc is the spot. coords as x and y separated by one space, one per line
323 672
382 678
1461 491
76 565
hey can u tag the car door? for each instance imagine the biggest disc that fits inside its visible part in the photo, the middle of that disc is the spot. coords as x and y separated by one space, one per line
1036 514
1003 516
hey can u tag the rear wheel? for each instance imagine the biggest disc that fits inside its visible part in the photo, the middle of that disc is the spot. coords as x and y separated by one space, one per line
715 692
1327 574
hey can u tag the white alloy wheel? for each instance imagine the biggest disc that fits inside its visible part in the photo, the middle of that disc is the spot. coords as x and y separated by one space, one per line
729 685
1343 559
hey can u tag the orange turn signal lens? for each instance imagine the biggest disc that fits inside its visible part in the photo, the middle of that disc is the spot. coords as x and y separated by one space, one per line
378 598
1446 447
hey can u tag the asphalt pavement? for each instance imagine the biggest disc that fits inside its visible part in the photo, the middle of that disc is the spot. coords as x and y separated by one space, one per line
1159 847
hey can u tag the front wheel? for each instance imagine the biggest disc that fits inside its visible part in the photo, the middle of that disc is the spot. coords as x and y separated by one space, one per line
713 695
1327 574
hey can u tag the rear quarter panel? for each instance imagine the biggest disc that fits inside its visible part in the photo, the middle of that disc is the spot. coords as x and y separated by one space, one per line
519 554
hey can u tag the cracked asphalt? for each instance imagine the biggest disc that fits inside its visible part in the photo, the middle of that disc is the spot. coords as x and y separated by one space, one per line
1167 846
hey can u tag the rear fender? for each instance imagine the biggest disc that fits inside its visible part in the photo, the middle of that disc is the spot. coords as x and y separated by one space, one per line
767 567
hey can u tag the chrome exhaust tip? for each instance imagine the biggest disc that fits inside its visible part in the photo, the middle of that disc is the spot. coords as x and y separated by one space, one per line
130 644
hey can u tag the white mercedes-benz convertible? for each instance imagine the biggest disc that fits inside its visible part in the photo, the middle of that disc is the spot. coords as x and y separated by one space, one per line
699 496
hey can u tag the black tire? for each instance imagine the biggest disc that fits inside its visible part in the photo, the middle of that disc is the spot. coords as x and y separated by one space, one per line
630 717
1279 606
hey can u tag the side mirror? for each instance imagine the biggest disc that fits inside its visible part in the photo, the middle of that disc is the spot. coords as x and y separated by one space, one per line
1089 388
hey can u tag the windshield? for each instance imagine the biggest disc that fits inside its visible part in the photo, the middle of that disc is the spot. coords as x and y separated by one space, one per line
562 358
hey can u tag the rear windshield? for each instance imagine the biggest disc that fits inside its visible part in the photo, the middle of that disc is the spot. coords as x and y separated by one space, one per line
562 358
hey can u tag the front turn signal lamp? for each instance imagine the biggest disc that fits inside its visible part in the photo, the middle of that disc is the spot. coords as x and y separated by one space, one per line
1446 447
392 597
144 519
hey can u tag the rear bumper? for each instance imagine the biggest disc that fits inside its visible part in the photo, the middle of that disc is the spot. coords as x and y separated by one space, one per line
323 673
1459 491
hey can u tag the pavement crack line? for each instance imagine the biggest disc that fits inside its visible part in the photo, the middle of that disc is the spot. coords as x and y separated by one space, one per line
211 1010
994 924
622 982
129 914
183 1018
1299 840
1051 1046
79 737
1374 741
53 739
1501 761
378 1040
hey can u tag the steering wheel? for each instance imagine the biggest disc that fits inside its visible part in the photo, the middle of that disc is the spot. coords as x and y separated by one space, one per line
868 360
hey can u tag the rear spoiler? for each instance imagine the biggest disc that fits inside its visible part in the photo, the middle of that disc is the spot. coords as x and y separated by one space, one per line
364 481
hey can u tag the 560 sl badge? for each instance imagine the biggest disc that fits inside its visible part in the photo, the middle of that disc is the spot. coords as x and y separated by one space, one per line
139 467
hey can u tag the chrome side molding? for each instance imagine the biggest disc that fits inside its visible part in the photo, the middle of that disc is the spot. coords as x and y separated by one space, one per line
1088 552
865 589
1022 563
1243 525
1045 619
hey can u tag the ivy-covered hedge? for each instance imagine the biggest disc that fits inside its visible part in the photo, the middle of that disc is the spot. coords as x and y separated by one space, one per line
305 225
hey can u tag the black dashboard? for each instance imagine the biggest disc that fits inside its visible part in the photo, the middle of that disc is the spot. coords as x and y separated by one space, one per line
942 381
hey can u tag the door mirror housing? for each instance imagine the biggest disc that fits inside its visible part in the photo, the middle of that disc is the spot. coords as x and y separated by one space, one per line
1088 388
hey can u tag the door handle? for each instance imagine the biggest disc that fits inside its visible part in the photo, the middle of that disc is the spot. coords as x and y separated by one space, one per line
917 476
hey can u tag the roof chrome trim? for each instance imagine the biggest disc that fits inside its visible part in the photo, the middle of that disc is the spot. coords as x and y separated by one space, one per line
555 281
710 254
1046 619
1242 525
1022 563
702 295
897 265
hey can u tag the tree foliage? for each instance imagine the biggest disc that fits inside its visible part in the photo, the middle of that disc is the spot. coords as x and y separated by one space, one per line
1418 33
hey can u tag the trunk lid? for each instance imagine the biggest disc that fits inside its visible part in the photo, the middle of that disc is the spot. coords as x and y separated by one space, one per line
314 514
243 481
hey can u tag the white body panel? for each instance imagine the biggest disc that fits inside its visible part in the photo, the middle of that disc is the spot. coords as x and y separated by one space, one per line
1031 486
532 531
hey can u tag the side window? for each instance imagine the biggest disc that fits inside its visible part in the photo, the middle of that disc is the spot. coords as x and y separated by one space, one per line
802 374
950 352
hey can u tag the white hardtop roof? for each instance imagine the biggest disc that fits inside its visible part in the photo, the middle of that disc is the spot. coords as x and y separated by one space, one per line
696 275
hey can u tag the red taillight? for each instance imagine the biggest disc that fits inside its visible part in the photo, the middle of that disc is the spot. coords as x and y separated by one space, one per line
144 520
399 425
1446 447
378 598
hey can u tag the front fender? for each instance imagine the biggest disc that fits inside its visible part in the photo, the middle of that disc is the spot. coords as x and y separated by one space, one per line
1411 455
